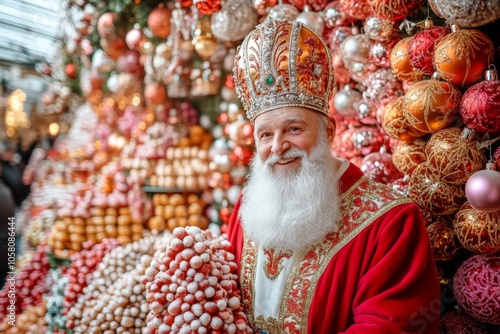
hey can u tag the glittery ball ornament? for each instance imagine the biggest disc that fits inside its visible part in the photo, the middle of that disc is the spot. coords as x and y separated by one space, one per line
421 48
431 105
366 111
380 29
454 156
462 57
356 9
480 106
400 62
263 6
454 323
355 48
284 12
408 156
476 286
395 124
107 25
496 157
380 52
311 19
366 140
379 167
159 22
207 7
394 9
382 86
478 231
345 99
444 241
432 193
483 190
467 13
234 21
333 16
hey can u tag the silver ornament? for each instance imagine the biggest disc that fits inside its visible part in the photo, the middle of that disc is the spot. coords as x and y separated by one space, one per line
355 48
311 19
467 13
284 12
333 16
380 29
234 21
344 101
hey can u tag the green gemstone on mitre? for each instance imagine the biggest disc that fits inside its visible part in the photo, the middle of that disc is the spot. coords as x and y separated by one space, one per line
270 80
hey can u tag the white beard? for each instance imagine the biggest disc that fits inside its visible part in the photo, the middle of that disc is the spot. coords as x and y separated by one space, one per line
294 209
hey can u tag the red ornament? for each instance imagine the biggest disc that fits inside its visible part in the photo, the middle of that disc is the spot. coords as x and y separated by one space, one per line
185 3
476 286
379 167
355 9
159 22
496 156
444 241
454 323
480 105
394 9
130 62
207 7
299 4
421 48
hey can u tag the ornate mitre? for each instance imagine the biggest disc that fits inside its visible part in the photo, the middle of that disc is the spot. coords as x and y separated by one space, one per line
283 64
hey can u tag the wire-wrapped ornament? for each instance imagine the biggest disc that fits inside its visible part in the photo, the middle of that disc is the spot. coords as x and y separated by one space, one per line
463 56
234 21
409 155
379 167
396 124
421 47
400 62
444 241
467 13
395 9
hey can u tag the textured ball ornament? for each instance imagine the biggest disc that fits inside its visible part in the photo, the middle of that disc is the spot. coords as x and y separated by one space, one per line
379 167
431 105
234 21
355 48
380 52
467 13
483 190
462 57
263 6
135 39
366 140
476 286
378 29
444 241
207 7
356 9
421 48
400 62
159 22
454 156
394 9
333 16
344 101
432 193
480 105
408 156
366 111
478 231
454 323
284 12
311 19
382 86
395 124
106 25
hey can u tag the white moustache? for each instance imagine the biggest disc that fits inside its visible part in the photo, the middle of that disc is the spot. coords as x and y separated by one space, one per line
289 154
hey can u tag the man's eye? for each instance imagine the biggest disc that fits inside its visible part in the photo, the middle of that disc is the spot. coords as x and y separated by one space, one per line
265 135
293 129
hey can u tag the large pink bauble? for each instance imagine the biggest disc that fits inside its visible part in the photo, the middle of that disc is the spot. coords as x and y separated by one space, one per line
394 9
379 167
421 48
483 190
476 286
480 106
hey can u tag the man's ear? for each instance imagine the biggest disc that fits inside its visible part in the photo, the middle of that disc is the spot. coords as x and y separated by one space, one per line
331 126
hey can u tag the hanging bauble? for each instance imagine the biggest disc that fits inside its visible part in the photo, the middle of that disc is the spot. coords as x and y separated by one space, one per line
467 13
263 6
379 167
400 62
408 156
483 190
159 22
241 132
135 38
382 86
432 193
345 99
71 71
431 105
378 29
234 21
476 286
395 124
463 56
114 47
333 16
130 62
207 7
112 83
185 3
284 12
455 323
355 48
355 9
421 47
394 9
155 93
444 241
359 71
311 19
480 106
106 25
454 155
366 111
367 139
380 52
204 41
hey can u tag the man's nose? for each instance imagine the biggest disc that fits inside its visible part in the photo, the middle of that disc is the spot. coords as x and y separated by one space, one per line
280 144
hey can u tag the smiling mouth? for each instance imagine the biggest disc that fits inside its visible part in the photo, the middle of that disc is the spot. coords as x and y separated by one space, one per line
286 161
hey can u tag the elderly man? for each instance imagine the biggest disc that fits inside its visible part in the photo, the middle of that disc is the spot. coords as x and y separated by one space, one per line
321 248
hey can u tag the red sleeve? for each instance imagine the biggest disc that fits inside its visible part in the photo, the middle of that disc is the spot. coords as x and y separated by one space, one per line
235 232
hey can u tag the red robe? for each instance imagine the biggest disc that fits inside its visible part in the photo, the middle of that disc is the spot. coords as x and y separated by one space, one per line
376 275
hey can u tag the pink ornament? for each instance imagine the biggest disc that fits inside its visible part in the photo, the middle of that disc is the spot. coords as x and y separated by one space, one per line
421 48
379 167
382 86
394 9
367 139
480 105
476 286
135 38
483 190
334 16
355 10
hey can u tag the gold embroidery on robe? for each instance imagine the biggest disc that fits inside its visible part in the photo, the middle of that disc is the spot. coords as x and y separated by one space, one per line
273 265
269 325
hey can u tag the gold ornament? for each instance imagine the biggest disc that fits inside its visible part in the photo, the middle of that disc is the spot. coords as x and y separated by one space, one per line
400 62
408 156
395 124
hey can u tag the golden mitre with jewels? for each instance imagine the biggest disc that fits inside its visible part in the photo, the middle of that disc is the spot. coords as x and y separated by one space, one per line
283 64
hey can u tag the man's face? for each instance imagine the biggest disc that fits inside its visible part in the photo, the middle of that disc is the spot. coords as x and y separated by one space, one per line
280 132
